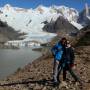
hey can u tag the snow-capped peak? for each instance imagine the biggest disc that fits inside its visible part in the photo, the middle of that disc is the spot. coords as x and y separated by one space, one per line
70 14
42 7
7 7
31 21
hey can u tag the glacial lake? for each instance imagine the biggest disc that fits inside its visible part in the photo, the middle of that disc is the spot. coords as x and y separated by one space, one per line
12 59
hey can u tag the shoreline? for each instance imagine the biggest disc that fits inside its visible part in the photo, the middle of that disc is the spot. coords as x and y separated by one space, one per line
25 67
35 75
13 60
8 47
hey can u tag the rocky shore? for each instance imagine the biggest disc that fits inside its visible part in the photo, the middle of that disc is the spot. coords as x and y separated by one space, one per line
38 74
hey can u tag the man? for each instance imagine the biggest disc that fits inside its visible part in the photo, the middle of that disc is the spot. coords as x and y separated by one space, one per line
57 52
68 62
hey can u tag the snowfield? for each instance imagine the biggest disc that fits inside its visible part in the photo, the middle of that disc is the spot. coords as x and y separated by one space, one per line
31 21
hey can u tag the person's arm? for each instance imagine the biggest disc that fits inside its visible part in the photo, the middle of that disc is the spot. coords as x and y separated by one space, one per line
72 55
53 50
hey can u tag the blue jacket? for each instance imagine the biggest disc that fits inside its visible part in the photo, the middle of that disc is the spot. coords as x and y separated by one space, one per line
57 51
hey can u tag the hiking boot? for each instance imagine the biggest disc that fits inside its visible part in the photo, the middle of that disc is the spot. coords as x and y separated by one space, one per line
55 84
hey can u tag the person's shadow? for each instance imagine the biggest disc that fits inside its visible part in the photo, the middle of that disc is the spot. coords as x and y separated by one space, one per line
27 81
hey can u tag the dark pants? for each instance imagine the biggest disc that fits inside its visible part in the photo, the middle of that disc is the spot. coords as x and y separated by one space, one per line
66 68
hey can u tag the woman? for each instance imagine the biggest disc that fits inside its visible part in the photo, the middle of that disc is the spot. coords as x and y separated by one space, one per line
68 62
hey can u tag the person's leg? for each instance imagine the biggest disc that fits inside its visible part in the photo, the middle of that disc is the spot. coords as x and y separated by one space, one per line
60 68
55 70
76 78
64 73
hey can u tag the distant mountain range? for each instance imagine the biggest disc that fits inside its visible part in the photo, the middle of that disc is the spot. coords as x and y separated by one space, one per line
38 23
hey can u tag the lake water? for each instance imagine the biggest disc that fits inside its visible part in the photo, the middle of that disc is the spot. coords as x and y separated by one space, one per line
11 60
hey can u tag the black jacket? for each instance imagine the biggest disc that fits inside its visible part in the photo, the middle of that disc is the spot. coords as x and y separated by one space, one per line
70 55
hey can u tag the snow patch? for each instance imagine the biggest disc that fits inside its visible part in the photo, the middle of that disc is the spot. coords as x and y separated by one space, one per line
77 25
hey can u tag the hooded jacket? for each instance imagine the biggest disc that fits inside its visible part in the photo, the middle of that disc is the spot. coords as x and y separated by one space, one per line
57 51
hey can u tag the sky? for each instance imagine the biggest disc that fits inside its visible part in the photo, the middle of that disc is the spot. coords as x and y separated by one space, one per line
77 4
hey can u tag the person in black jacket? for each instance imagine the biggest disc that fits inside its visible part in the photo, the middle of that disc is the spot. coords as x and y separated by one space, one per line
68 62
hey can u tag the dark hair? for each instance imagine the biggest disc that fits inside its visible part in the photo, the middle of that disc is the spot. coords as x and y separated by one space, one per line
63 39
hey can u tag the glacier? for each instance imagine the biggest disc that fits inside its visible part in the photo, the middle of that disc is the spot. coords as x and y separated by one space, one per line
30 21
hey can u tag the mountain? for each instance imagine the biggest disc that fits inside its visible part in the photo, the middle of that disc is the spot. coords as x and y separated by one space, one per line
32 21
83 18
61 25
7 33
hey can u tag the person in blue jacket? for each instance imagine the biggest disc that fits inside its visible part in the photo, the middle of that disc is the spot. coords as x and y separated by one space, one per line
57 51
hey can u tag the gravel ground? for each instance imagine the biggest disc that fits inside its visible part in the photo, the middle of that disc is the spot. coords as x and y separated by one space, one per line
38 74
